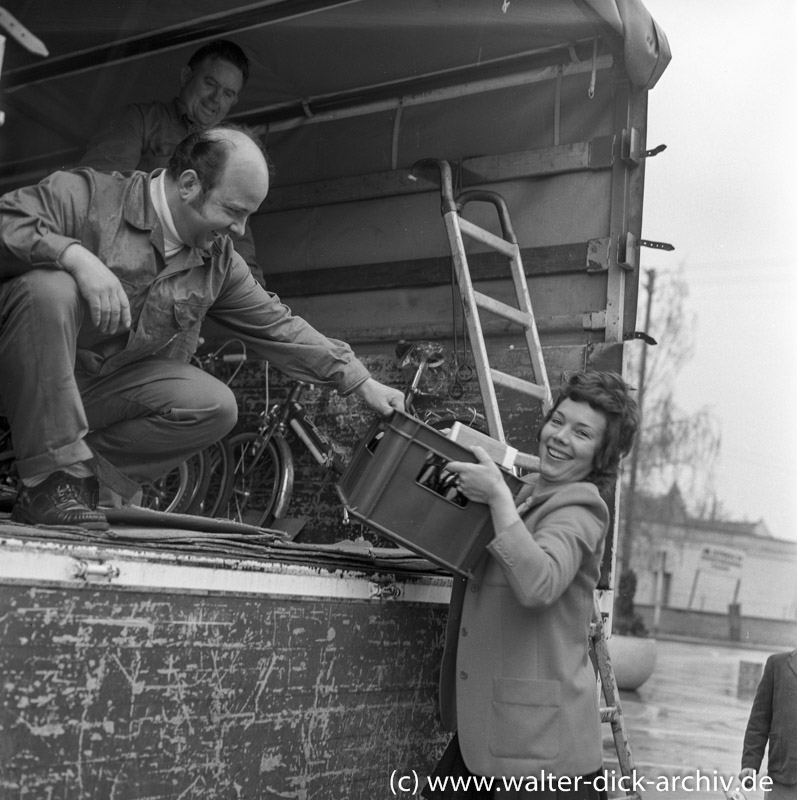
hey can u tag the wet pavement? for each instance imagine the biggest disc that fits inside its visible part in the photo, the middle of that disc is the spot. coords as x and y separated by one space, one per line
686 721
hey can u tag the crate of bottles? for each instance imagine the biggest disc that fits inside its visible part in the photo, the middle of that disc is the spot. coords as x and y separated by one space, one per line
397 484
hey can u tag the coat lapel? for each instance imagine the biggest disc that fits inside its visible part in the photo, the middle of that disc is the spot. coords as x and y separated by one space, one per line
792 661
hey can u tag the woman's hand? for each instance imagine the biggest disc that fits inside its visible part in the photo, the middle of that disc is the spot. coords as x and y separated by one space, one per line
481 482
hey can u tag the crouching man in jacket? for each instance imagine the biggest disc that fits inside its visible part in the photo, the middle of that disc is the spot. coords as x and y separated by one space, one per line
106 279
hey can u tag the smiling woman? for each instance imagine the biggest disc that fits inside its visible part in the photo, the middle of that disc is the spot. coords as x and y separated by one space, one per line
593 408
569 441
521 694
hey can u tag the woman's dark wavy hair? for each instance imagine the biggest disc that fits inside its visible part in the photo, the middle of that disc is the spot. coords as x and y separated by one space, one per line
609 394
206 153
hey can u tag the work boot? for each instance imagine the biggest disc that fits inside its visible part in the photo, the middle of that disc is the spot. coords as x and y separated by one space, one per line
89 489
60 500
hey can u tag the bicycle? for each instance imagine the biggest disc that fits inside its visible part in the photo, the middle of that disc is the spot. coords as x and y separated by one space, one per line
198 484
249 477
260 483
262 480
9 479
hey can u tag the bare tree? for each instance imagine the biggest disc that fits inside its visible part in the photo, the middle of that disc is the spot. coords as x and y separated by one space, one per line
674 446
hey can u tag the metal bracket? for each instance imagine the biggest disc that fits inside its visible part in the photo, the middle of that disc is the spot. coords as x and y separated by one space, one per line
385 591
599 251
628 249
645 337
20 34
94 571
601 152
631 149
594 321
656 245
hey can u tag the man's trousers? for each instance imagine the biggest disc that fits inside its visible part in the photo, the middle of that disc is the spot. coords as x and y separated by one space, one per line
145 418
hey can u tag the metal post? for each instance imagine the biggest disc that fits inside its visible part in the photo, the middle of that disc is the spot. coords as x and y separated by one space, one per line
628 530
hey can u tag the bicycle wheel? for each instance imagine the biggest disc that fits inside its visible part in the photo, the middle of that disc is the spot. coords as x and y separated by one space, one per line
200 462
216 480
10 483
256 485
172 491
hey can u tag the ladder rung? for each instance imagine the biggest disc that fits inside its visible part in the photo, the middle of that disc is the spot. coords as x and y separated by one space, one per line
518 384
608 713
501 309
485 237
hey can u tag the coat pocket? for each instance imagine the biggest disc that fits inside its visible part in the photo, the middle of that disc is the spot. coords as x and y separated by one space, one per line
188 314
781 762
189 317
526 718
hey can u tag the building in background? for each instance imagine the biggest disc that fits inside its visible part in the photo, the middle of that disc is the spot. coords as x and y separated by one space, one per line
712 579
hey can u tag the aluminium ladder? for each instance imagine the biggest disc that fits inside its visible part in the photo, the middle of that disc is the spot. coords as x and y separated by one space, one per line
612 712
472 301
523 316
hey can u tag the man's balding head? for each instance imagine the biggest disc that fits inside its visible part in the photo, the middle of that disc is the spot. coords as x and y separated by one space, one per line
215 180
208 153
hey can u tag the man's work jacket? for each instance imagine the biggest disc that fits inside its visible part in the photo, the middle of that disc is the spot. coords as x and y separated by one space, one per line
112 215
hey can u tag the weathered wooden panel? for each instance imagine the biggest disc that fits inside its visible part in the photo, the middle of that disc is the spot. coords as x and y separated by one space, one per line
111 693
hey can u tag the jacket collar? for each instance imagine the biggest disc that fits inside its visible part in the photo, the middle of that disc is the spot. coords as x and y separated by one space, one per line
179 114
140 212
792 661
537 490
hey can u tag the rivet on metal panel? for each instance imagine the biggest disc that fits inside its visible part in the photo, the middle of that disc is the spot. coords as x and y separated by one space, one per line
87 570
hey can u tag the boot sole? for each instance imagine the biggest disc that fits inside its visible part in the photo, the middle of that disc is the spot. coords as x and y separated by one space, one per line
25 519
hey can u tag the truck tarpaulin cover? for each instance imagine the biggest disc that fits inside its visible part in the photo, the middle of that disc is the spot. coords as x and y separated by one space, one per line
309 58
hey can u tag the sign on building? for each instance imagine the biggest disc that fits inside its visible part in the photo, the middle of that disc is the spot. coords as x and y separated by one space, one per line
724 560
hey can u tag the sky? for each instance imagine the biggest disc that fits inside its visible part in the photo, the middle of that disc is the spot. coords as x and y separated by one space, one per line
724 193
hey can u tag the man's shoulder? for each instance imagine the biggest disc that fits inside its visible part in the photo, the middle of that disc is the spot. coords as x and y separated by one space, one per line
575 493
778 659
112 180
152 109
108 190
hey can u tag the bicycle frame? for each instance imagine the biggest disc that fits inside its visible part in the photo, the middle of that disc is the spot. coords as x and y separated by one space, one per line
275 422
264 458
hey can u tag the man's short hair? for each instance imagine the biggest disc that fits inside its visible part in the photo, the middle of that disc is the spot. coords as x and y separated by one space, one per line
225 49
206 153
